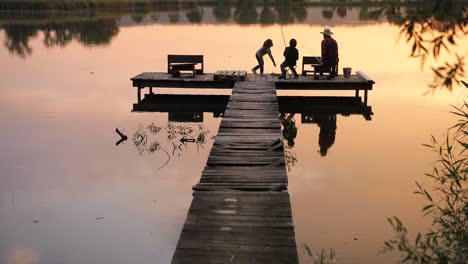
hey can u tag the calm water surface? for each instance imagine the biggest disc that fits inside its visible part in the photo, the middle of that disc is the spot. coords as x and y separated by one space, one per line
68 194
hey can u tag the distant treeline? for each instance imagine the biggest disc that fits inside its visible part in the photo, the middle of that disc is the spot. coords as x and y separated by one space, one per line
80 5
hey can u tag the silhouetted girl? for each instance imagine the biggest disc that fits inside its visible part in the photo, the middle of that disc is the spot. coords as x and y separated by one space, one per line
265 49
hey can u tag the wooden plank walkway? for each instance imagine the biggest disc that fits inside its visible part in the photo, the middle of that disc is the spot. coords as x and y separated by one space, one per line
240 212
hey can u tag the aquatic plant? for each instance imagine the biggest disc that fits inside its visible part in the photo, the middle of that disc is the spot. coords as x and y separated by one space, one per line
150 139
322 257
446 241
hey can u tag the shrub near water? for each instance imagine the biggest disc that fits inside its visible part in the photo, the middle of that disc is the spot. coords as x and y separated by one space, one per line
447 203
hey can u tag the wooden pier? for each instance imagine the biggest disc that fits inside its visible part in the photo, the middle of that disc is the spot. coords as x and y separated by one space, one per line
240 213
241 210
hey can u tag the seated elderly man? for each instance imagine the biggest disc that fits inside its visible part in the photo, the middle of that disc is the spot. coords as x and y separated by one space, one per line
329 53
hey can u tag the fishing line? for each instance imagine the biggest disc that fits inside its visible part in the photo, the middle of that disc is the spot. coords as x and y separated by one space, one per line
304 47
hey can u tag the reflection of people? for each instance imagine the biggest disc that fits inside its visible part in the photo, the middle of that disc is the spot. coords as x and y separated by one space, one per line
329 53
265 49
291 55
327 124
289 128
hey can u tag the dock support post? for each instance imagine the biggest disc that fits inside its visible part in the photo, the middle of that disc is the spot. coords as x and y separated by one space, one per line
151 90
365 97
139 94
357 93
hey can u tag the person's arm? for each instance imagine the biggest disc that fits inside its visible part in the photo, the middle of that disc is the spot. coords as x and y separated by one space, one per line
271 57
324 50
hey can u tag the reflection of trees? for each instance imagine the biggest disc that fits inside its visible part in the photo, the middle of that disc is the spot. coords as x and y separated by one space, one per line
96 32
341 11
174 17
246 12
57 35
137 17
327 13
88 33
222 11
195 16
300 12
17 39
284 9
267 16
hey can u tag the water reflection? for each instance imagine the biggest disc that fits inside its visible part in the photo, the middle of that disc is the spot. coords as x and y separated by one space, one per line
322 111
88 33
327 124
21 255
100 28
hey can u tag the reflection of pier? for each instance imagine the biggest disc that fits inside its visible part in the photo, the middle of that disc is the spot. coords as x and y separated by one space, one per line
320 110
216 104
241 211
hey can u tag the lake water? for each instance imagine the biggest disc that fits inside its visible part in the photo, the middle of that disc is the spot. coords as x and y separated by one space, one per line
68 194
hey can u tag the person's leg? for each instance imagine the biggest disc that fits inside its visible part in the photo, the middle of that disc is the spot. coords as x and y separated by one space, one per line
261 63
254 69
333 68
283 70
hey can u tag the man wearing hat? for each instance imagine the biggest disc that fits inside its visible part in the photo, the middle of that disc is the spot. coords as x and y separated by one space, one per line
329 53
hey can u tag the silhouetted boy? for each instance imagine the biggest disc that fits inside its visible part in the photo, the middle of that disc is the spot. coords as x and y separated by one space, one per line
291 55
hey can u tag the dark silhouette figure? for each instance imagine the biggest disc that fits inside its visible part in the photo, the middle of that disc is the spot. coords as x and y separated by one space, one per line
265 49
291 55
329 53
327 124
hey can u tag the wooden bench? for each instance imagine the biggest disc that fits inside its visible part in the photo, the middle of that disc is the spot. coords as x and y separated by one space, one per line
317 66
312 61
178 63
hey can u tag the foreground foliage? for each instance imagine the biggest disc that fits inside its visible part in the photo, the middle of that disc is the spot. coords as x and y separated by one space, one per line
446 241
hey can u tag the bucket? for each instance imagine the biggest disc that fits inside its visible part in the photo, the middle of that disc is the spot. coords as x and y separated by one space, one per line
347 72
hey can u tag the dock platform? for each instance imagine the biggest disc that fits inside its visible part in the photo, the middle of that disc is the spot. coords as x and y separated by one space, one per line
358 82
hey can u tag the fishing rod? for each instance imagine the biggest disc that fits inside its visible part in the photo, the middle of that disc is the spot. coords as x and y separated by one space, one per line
282 33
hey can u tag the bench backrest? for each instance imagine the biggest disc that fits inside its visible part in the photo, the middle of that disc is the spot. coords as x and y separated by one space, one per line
310 60
185 59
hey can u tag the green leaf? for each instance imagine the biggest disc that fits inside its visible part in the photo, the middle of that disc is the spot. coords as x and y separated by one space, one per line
308 250
427 207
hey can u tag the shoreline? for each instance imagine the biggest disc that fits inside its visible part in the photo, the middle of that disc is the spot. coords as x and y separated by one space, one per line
49 6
